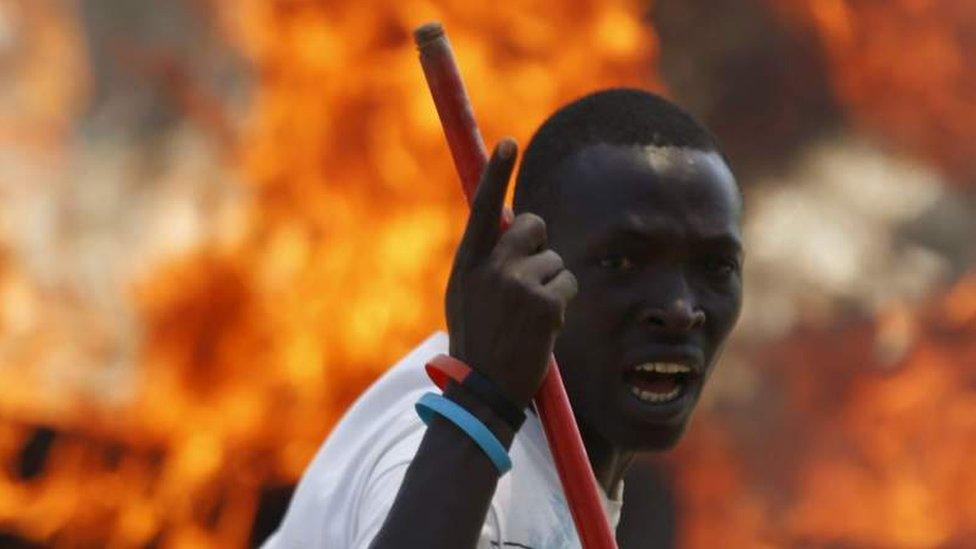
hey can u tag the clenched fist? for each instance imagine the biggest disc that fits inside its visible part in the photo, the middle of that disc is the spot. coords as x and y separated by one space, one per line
508 292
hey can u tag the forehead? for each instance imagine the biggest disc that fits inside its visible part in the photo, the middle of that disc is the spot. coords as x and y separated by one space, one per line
675 188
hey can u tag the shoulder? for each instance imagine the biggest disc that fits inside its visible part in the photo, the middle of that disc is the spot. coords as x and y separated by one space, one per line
369 448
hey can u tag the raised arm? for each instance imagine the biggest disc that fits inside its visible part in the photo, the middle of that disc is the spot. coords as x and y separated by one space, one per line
505 303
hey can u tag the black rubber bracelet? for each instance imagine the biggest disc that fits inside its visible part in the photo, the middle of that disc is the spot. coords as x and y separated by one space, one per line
480 409
488 392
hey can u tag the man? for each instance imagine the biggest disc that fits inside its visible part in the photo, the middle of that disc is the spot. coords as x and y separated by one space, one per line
624 259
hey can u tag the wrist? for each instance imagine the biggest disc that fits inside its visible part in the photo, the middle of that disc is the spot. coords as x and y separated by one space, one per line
442 368
463 396
437 411
515 395
495 397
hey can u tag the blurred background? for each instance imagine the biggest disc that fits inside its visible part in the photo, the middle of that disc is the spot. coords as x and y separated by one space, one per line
221 220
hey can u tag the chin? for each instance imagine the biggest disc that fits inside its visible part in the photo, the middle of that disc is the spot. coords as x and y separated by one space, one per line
633 425
626 424
656 438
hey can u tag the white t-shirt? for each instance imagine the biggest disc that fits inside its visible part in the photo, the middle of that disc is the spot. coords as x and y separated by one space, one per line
348 489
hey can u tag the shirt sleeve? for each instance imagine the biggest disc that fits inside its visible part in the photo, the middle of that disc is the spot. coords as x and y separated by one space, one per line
381 490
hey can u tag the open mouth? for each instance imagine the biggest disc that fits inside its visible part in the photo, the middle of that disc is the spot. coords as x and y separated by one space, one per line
658 382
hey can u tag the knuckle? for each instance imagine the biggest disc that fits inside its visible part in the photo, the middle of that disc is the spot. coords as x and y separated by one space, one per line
508 238
511 279
536 224
554 258
531 223
573 282
534 220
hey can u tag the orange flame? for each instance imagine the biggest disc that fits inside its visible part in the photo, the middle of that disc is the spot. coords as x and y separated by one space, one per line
256 344
859 451
42 97
904 70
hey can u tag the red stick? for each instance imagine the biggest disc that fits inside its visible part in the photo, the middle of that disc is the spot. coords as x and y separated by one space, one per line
470 158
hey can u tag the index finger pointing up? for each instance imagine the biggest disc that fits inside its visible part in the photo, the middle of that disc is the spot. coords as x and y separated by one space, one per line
481 233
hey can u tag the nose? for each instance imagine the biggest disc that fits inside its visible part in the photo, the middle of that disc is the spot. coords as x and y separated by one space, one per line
678 316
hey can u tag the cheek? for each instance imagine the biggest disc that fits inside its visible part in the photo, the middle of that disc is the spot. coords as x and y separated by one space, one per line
587 337
589 345
723 314
596 314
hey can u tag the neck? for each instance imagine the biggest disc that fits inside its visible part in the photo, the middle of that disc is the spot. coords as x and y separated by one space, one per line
609 463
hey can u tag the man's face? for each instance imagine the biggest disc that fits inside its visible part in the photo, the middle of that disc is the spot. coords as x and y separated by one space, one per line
652 235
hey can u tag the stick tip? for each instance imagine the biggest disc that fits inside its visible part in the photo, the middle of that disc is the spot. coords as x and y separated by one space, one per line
427 33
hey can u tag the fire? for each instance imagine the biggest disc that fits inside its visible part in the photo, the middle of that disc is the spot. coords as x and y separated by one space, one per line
357 209
254 345
903 70
42 96
858 450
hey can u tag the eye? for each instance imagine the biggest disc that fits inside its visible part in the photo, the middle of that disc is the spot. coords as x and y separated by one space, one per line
722 267
617 262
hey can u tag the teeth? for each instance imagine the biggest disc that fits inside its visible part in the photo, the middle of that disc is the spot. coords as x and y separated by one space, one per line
663 368
648 396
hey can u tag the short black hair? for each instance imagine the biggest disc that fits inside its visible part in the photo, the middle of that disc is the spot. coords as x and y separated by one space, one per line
616 116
